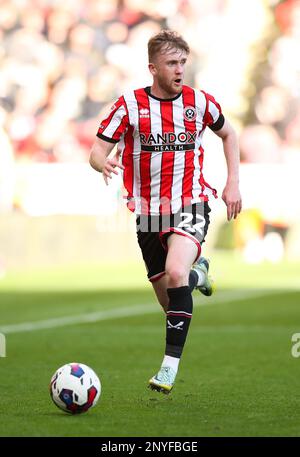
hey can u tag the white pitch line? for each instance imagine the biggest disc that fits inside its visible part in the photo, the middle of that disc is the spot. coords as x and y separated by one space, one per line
116 313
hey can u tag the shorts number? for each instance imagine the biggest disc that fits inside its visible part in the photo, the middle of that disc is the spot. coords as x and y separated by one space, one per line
186 223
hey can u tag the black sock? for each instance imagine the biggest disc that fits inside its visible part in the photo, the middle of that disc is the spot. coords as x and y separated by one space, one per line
193 280
178 319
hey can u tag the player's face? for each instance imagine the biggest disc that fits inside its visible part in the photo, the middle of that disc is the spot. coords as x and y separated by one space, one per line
168 71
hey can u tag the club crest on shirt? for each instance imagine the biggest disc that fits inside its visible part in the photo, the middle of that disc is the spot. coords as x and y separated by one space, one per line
189 113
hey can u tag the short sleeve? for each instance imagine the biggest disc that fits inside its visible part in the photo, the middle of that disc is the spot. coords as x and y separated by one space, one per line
115 124
213 113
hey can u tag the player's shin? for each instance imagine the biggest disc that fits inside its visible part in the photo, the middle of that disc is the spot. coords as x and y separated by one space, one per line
178 320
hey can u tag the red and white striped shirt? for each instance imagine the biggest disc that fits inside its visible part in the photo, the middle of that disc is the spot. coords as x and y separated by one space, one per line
161 144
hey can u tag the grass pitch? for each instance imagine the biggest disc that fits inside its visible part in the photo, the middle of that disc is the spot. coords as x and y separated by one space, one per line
237 376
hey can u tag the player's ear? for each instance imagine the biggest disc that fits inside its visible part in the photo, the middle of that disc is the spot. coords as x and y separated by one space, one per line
152 68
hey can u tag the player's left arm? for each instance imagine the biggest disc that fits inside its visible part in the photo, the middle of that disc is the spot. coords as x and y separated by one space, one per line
231 193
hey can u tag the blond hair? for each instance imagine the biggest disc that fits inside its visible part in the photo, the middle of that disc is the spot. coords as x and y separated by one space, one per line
164 41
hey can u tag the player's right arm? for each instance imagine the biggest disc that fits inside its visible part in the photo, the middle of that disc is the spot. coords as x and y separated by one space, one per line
100 161
109 133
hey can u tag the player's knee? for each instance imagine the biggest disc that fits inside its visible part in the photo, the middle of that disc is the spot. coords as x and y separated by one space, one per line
176 276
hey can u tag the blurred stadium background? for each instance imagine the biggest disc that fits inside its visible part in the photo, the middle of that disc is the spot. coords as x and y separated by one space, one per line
62 65
71 275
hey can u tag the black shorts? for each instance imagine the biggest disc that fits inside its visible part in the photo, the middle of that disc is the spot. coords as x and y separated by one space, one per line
152 233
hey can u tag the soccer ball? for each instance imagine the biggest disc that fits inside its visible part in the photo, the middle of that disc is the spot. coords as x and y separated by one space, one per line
75 388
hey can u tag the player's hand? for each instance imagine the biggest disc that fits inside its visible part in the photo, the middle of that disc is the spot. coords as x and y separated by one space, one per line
110 165
233 200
